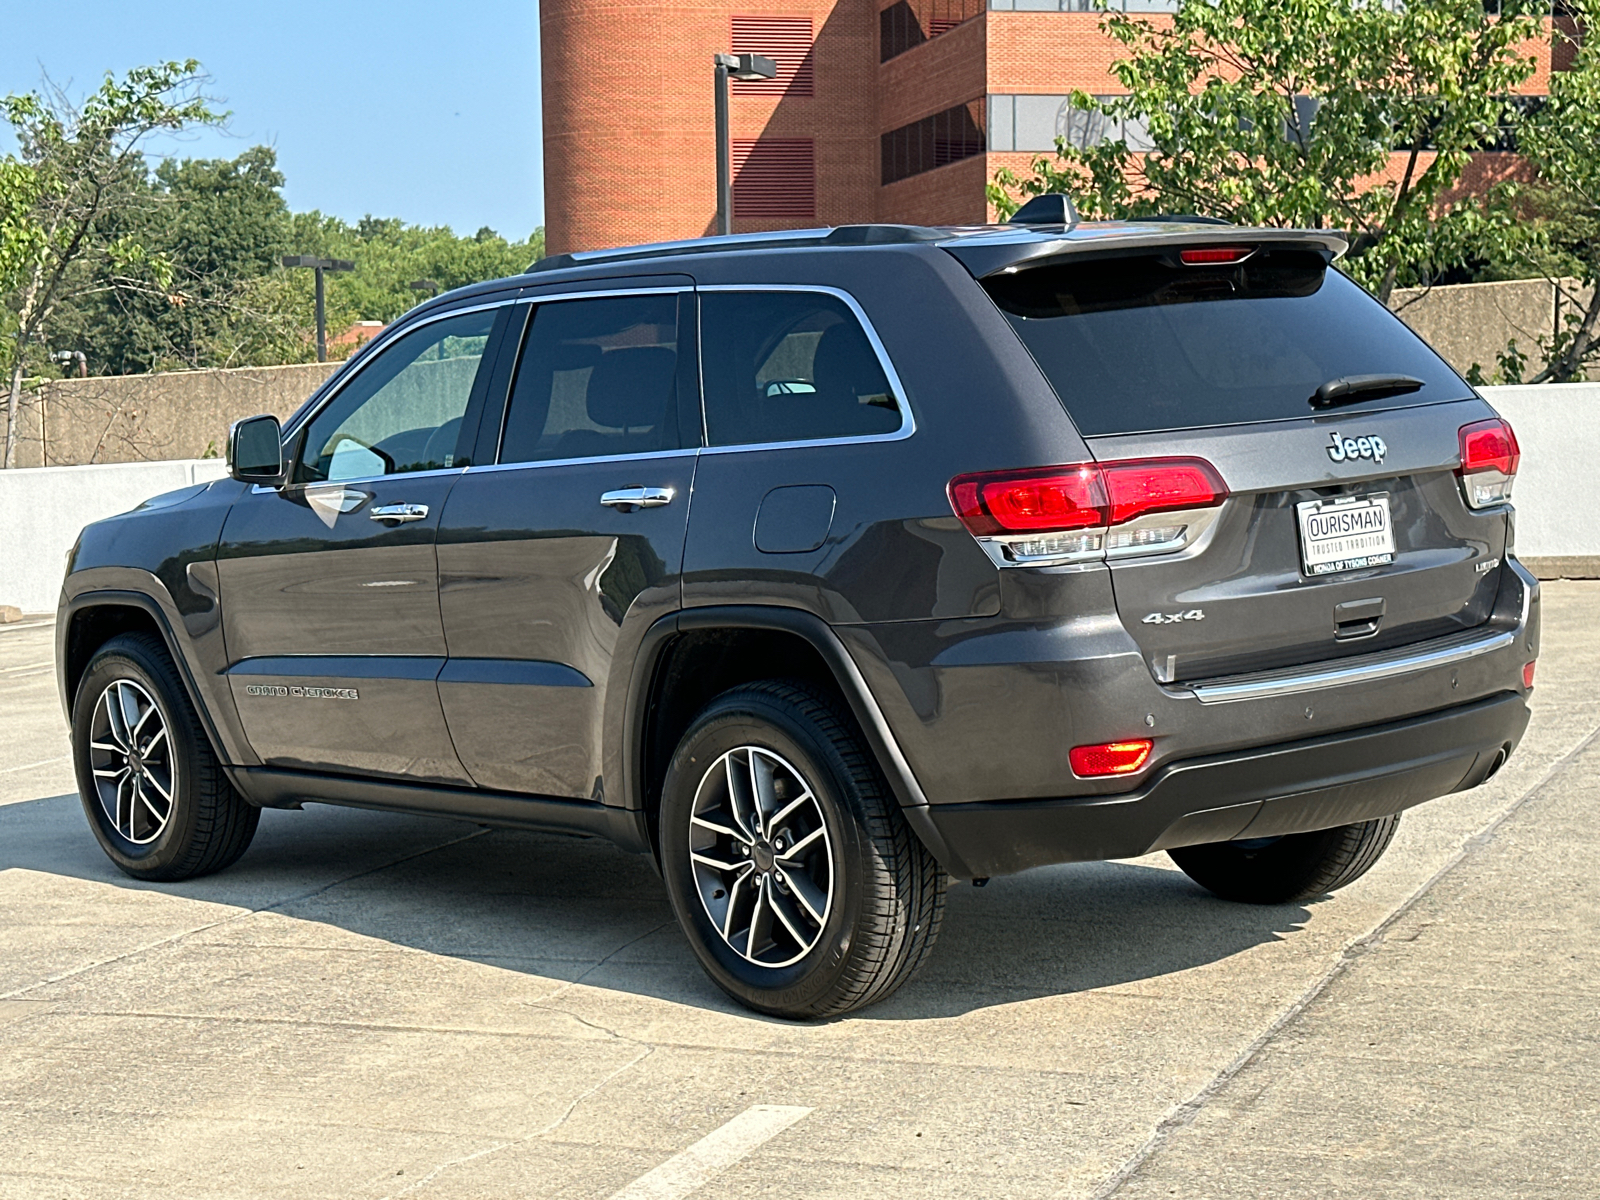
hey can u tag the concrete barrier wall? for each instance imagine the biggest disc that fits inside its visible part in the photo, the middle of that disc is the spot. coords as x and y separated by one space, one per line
1558 425
42 510
1472 323
153 418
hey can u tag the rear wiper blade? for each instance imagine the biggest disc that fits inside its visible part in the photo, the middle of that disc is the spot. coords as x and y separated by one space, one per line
1347 389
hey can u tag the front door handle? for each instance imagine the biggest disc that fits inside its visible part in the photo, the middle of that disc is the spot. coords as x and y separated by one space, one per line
629 498
399 513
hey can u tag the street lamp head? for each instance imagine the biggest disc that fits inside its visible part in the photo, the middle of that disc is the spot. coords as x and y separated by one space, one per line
323 264
747 66
424 285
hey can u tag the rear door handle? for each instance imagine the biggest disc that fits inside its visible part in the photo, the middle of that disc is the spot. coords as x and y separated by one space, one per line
399 513
629 498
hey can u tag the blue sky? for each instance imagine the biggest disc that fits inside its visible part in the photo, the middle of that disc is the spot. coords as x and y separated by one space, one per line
428 112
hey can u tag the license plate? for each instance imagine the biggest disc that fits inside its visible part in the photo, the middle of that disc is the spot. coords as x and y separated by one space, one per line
1345 535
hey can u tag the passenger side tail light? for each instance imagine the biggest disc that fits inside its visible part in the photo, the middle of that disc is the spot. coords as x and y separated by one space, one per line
1489 460
1047 515
1109 758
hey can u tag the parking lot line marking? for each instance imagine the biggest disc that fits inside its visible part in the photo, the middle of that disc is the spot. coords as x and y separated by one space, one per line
43 762
716 1152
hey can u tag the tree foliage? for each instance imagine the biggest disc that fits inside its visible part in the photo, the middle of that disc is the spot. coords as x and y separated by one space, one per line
1314 113
1562 234
64 197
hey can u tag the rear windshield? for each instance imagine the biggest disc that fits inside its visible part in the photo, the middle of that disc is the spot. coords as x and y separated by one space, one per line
1141 343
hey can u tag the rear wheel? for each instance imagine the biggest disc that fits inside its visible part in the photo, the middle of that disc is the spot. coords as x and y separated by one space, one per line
153 790
1284 869
802 889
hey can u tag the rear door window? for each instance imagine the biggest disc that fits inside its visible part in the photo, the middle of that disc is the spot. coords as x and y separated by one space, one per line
1142 342
789 367
598 377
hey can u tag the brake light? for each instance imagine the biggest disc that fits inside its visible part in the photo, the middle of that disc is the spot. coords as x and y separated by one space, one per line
1110 758
1161 485
1062 514
1210 256
1489 460
1056 498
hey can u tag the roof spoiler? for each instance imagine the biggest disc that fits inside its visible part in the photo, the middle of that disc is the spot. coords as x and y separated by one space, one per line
1023 249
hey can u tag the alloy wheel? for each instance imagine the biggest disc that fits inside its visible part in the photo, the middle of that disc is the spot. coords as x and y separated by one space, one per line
761 856
131 756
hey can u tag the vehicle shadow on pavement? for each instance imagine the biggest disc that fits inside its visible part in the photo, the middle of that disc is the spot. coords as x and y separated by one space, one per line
574 909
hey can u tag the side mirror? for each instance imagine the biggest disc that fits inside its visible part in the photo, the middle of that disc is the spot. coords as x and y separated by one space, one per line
255 450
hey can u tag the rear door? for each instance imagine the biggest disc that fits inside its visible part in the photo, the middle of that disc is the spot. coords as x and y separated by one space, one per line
1345 529
556 558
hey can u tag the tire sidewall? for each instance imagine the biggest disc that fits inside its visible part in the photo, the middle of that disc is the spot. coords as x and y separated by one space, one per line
746 721
126 659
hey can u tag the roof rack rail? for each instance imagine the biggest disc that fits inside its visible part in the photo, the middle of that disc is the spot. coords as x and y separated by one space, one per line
1183 219
842 235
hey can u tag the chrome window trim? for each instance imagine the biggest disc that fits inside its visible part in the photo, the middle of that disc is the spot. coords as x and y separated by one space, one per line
377 350
1386 665
908 421
257 489
577 462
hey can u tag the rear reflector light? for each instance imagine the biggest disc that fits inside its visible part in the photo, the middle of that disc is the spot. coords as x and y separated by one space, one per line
1489 460
1527 674
1110 758
1208 256
1071 512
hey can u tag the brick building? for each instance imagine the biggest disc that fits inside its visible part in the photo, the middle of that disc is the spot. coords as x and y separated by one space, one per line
886 110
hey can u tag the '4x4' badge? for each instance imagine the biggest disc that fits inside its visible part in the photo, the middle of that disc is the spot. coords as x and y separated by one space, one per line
1156 618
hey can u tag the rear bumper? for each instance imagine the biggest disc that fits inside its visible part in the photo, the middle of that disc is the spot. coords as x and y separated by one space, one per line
1292 787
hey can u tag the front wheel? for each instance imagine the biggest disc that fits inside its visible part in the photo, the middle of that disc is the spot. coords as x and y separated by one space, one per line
802 889
153 790
1296 866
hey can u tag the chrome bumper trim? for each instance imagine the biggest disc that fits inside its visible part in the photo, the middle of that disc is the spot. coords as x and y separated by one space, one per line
1381 666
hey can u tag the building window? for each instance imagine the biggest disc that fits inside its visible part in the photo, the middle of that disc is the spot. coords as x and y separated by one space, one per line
935 141
1033 123
908 23
788 42
774 177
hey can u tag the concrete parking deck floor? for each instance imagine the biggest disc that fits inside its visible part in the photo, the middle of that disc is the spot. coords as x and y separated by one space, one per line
377 1006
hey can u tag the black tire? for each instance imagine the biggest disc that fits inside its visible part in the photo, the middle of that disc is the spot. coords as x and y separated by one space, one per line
1285 869
207 825
885 891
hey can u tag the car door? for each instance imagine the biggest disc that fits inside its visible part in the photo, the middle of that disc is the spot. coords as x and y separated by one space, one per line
554 559
329 582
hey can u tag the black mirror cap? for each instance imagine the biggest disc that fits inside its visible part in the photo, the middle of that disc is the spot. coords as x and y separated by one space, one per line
255 450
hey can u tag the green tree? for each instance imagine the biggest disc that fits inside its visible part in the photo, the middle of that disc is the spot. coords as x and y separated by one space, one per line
219 224
77 169
1562 142
1320 113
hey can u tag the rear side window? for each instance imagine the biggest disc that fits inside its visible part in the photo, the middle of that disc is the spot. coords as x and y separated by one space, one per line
1141 343
789 367
597 377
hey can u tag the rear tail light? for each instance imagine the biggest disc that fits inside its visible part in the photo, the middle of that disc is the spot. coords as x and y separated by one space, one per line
1110 758
1489 459
1088 510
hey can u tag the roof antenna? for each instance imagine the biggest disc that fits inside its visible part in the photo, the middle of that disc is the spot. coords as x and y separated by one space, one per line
1054 208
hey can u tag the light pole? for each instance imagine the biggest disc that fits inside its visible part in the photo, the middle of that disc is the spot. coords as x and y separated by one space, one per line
67 356
319 265
732 66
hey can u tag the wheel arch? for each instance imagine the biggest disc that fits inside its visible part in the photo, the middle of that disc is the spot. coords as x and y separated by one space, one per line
690 656
91 619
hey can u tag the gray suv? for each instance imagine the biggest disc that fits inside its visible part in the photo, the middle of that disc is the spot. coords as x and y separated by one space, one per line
826 566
